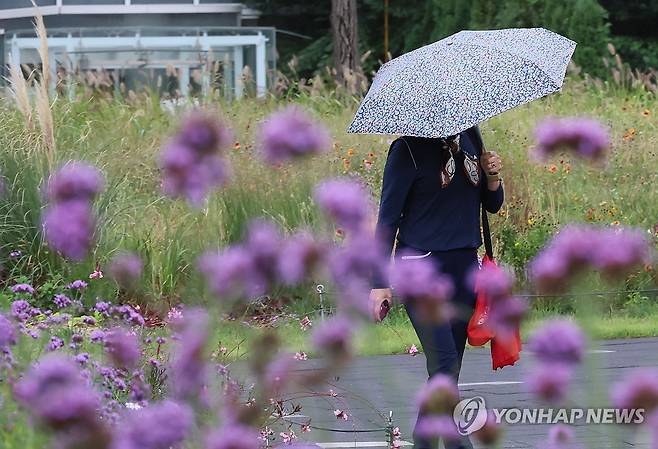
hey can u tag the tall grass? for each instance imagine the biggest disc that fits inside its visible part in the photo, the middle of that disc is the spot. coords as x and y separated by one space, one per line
123 139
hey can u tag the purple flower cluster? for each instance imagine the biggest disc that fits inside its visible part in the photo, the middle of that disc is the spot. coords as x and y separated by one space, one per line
158 426
612 251
585 137
126 268
62 301
417 282
290 134
263 259
505 310
188 367
436 402
333 338
123 348
55 392
192 162
233 436
559 346
69 221
7 334
344 200
23 288
75 181
639 390
77 285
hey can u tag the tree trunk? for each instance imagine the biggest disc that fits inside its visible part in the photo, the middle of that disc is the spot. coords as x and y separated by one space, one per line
344 28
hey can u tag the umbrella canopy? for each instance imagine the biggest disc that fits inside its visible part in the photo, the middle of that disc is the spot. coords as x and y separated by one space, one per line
448 86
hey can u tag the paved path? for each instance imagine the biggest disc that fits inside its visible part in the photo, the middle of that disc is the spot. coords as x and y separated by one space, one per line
373 386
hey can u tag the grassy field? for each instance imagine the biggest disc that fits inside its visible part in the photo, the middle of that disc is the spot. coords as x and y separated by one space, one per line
124 138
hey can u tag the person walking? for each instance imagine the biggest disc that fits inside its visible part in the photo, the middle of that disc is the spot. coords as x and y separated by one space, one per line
432 193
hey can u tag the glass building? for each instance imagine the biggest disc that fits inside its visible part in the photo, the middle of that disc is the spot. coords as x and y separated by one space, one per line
176 46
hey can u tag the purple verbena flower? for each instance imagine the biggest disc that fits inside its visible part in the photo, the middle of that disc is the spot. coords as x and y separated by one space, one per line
15 254
54 391
233 436
126 268
123 347
493 280
188 366
77 285
301 256
82 358
639 390
204 133
558 341
550 382
505 316
417 282
69 228
345 200
97 336
7 333
359 260
290 134
621 250
75 181
22 288
192 163
585 137
21 310
159 426
230 273
55 343
333 338
103 308
437 426
62 301
562 436
438 396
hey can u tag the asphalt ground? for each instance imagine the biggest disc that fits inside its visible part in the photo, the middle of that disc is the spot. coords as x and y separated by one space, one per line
373 387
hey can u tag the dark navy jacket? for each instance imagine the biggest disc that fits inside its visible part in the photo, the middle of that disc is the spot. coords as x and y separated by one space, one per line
428 217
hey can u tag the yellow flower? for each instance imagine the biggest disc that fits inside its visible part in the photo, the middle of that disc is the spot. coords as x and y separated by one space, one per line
346 164
552 168
615 223
350 152
236 146
371 155
646 113
531 221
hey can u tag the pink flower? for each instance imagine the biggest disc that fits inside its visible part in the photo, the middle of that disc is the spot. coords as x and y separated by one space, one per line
412 350
96 274
341 414
305 323
558 341
288 437
346 201
301 355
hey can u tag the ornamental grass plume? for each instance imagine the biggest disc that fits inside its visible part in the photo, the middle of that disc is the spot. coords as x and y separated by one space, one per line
291 134
192 162
586 138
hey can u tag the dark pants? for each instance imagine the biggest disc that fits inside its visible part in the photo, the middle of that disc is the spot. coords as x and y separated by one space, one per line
443 344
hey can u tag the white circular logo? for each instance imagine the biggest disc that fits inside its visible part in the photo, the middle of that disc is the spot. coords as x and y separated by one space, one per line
470 415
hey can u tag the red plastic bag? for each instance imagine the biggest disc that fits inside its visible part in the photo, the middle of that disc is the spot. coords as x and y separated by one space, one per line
504 352
478 332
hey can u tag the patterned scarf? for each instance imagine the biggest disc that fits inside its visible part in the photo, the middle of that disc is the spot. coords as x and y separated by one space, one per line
451 156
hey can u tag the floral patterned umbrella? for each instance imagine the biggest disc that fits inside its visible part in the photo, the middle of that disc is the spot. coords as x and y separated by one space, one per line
448 86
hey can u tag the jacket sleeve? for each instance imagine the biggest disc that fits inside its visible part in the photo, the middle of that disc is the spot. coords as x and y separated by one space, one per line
492 200
399 175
